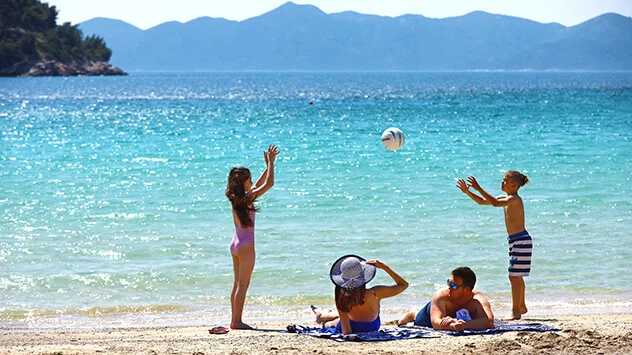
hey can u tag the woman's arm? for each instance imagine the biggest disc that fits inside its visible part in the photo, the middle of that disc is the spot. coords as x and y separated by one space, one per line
388 291
345 325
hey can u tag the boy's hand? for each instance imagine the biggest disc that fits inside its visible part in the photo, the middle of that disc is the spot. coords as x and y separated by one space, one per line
473 183
463 186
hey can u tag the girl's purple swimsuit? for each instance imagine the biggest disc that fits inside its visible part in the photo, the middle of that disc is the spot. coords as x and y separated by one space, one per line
243 236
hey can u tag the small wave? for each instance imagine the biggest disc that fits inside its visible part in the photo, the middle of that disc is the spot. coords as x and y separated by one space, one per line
118 215
151 160
91 312
117 310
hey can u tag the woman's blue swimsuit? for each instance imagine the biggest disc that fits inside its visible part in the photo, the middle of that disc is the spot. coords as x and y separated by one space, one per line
363 327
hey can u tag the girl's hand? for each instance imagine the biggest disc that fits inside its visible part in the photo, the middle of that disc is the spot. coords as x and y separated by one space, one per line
271 154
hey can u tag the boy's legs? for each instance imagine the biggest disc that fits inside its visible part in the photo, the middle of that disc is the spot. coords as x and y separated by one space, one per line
518 307
520 251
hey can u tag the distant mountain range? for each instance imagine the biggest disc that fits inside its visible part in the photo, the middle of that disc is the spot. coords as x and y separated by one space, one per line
302 37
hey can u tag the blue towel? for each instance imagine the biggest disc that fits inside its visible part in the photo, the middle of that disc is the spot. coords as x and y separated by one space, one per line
499 327
385 333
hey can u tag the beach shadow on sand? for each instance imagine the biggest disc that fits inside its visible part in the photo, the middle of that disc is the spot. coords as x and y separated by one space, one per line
270 330
533 319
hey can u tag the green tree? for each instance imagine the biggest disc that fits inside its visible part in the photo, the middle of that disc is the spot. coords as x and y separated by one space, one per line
31 15
29 32
95 49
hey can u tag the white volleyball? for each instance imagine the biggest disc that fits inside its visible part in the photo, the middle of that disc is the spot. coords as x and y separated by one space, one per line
393 138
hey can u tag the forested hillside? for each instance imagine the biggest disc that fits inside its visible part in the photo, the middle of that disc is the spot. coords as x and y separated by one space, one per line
31 43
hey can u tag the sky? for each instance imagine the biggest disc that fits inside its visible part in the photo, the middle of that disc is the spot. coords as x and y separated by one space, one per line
145 14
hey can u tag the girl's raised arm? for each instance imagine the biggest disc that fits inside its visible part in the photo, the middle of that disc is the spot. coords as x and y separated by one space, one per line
266 180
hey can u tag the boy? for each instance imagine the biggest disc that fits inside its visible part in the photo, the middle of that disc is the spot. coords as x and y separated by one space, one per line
520 245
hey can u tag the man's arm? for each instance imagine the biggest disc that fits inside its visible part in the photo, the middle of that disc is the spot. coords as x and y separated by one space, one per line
437 312
439 315
484 316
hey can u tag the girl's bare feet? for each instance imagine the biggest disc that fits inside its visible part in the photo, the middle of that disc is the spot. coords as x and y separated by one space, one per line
241 326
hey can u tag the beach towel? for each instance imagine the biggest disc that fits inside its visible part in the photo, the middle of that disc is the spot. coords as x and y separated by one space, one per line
499 327
383 334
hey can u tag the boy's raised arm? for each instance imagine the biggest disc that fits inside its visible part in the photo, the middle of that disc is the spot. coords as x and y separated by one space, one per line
463 186
490 200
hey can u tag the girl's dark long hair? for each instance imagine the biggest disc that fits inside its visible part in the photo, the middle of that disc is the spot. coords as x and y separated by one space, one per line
346 299
237 195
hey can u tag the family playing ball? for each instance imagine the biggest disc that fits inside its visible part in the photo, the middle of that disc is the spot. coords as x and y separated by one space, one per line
457 307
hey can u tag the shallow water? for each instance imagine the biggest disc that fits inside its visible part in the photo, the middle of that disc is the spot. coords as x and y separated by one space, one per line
114 214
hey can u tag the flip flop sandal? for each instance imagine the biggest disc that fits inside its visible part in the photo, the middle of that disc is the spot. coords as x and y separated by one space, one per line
218 330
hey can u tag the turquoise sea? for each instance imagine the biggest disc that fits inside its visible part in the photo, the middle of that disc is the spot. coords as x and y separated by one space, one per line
113 214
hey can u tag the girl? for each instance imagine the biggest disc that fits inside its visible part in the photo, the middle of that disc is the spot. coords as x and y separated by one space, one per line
358 308
242 195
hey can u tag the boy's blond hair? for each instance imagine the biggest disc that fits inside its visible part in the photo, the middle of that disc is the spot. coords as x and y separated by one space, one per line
518 177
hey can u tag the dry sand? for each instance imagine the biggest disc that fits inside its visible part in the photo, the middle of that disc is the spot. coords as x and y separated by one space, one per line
581 334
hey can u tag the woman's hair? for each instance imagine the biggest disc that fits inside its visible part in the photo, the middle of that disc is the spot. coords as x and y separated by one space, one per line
346 299
518 177
237 195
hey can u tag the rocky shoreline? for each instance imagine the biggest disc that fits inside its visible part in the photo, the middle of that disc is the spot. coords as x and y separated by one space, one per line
56 68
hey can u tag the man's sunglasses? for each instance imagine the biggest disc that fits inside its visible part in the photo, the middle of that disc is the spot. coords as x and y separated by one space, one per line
453 286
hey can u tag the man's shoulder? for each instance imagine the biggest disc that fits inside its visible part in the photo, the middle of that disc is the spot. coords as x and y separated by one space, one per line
441 294
476 294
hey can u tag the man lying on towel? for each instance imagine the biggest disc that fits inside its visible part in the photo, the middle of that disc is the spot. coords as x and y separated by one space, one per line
457 307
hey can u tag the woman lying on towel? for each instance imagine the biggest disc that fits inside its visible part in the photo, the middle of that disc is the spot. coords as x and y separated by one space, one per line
358 308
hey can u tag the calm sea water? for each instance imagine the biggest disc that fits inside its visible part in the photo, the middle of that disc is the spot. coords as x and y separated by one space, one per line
112 207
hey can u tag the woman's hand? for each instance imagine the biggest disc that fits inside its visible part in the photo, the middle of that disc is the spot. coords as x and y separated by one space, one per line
378 264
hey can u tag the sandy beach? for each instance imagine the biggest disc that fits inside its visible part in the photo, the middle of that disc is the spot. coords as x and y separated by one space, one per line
581 334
